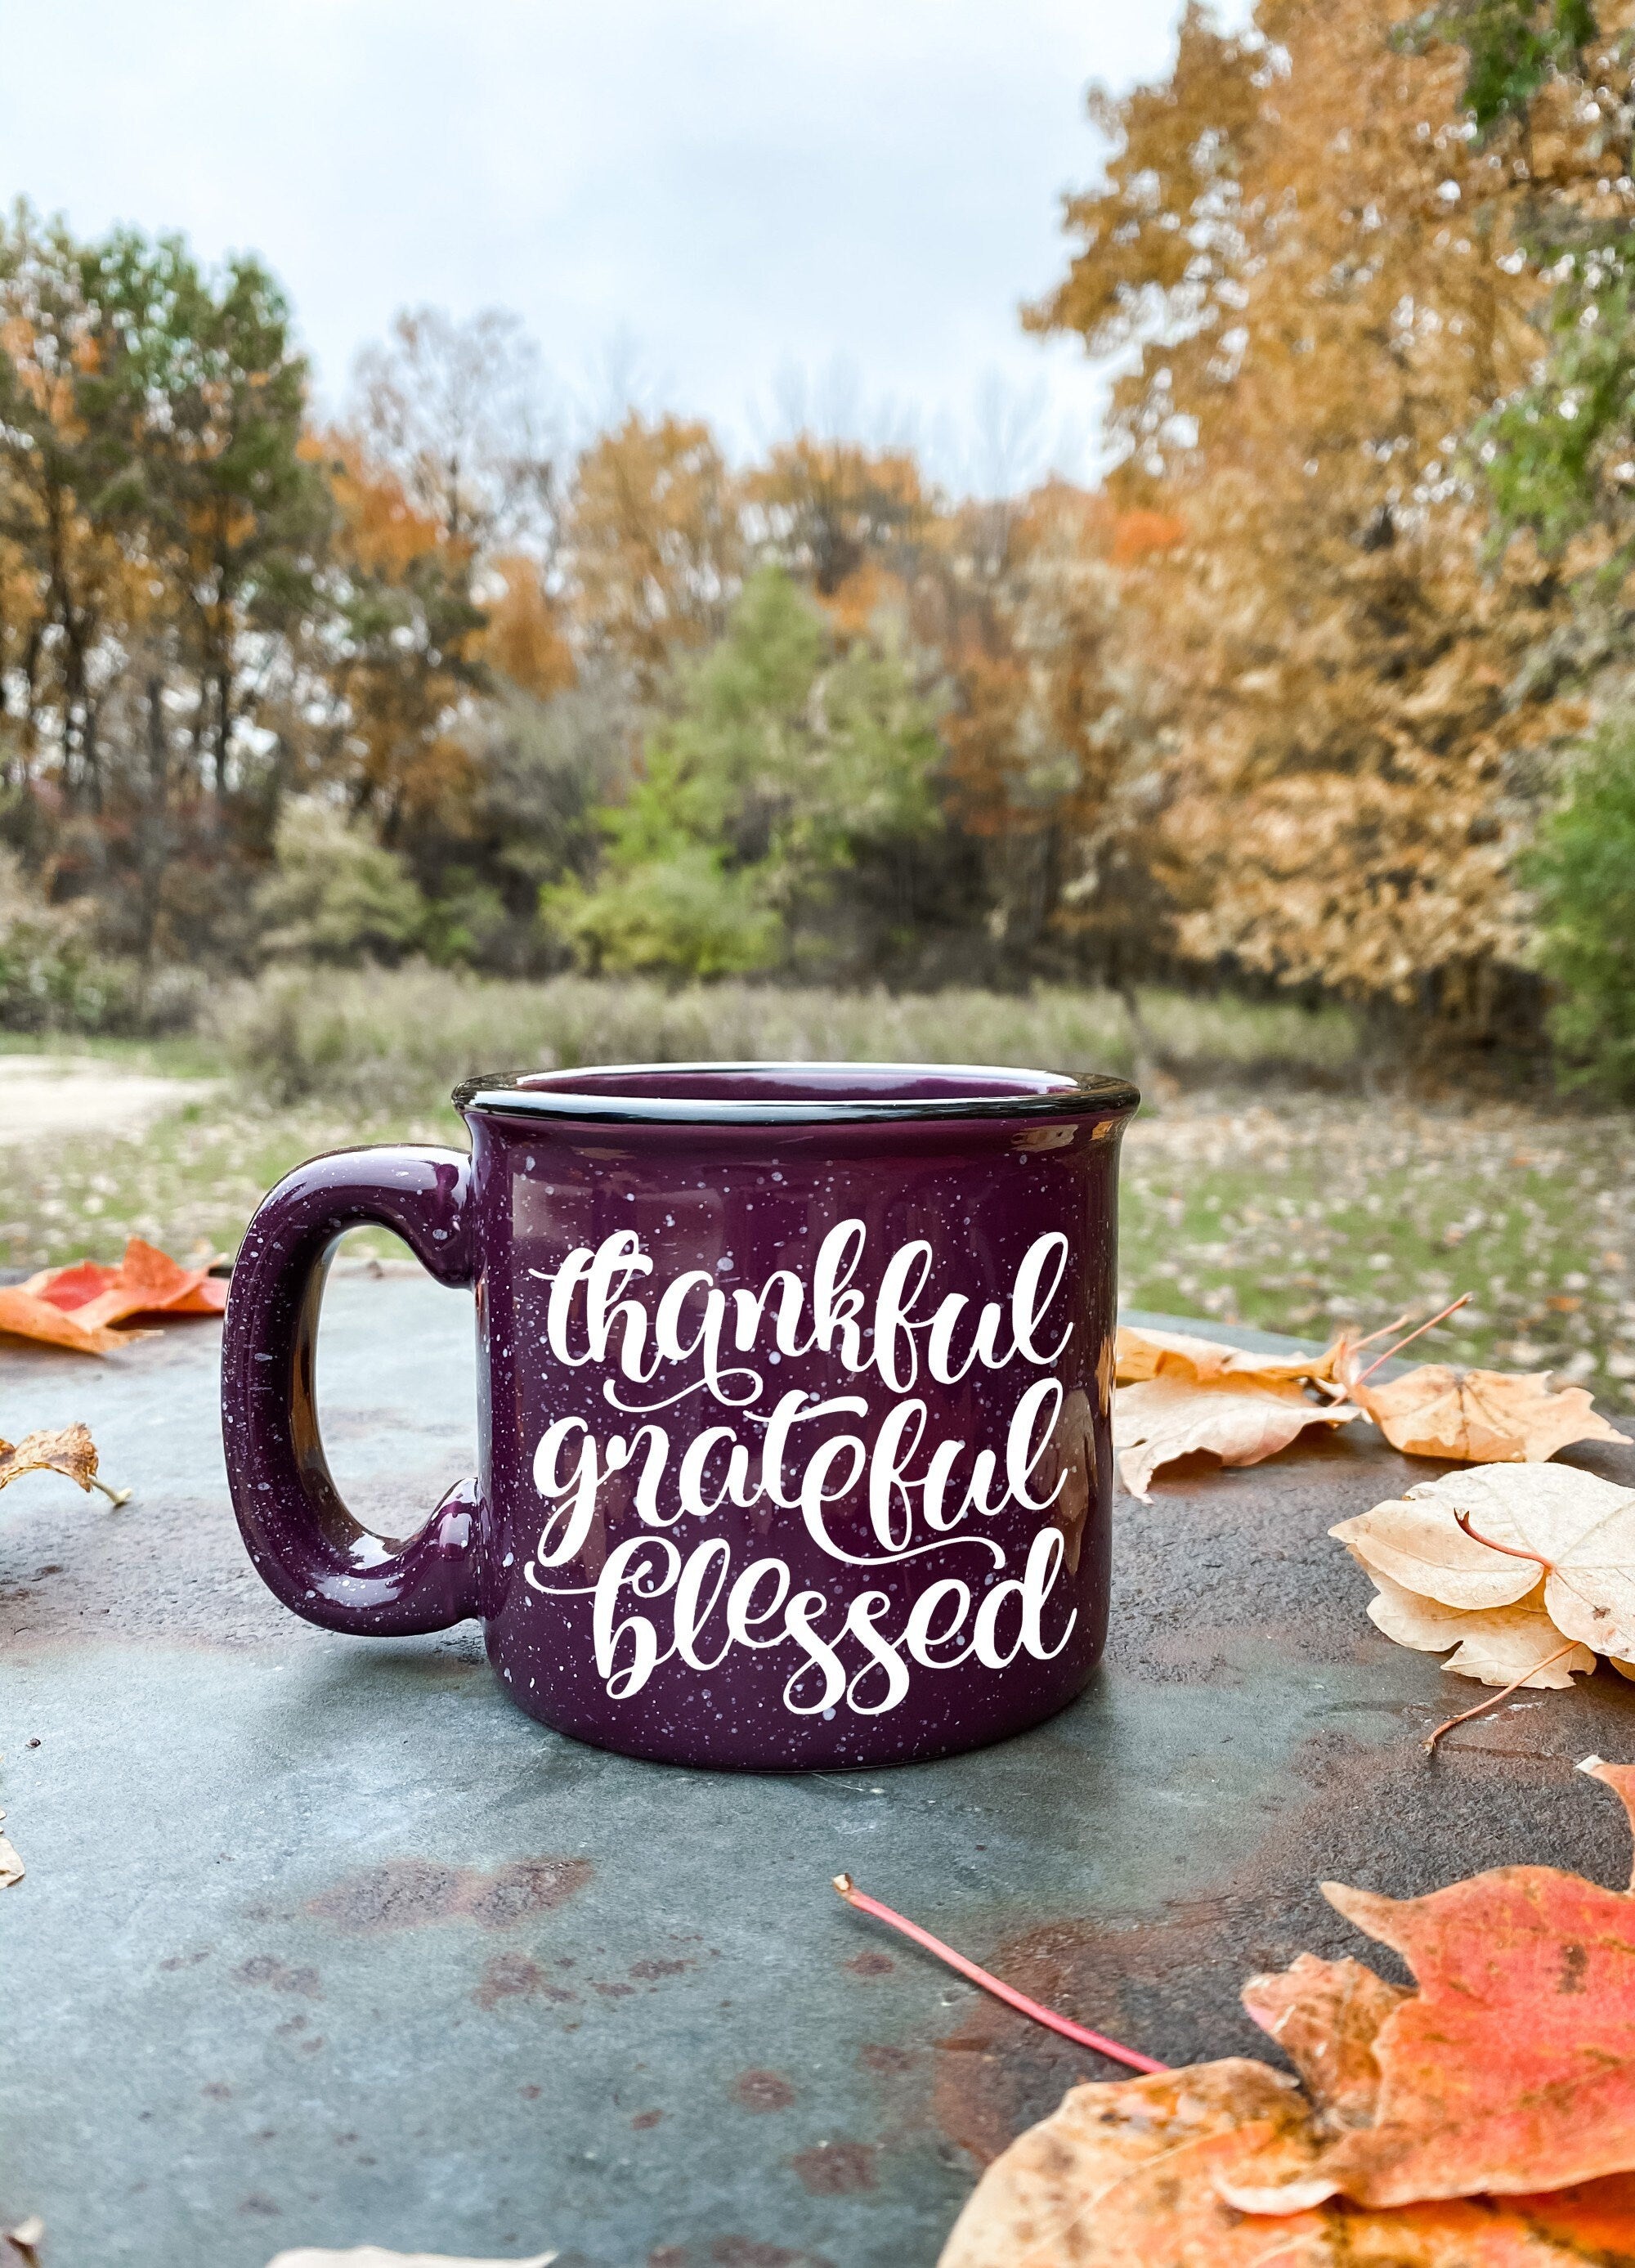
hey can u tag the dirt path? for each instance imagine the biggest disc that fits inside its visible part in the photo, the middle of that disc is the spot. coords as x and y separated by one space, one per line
42 1096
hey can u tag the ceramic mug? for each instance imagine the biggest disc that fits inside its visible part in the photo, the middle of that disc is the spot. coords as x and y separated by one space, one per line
794 1399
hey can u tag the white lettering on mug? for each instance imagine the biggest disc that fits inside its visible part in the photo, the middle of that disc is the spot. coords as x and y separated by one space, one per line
667 1592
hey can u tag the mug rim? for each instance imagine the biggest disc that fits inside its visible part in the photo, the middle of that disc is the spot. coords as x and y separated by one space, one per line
516 1094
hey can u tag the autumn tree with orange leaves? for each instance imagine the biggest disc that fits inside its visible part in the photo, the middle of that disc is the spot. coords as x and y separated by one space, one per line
1318 261
157 525
655 545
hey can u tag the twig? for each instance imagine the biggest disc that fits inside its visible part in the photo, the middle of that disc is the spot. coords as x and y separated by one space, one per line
1451 1308
1504 1693
1462 1519
1006 1993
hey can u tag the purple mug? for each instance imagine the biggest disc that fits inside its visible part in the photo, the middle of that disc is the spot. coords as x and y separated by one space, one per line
794 1387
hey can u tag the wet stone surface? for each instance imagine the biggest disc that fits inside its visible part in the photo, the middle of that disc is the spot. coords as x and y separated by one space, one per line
323 1942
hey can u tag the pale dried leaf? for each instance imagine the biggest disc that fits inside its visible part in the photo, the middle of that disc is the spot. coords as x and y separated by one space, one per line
27 2236
1416 1542
1498 1645
1144 1354
1083 2184
11 1867
1478 1416
69 1451
1584 1526
1241 1420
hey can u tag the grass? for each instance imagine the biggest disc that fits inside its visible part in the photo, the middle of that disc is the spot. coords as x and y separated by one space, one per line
1247 1196
191 1180
1310 1213
402 1040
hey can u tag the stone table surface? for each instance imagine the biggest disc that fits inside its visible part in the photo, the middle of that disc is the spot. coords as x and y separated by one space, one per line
323 1942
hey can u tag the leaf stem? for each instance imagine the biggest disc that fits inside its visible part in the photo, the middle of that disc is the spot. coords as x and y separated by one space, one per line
1504 1693
1430 1324
1384 1332
1005 1992
1462 1519
115 1497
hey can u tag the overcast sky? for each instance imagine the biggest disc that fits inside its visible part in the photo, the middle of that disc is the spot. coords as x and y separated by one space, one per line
754 210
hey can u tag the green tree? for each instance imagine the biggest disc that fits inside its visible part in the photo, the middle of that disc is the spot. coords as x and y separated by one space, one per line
67 572
787 770
211 392
1583 871
334 894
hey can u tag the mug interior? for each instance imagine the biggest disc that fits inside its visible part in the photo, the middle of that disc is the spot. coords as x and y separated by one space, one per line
732 1092
800 1082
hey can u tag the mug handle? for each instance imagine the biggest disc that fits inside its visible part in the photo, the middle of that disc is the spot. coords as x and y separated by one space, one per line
307 1548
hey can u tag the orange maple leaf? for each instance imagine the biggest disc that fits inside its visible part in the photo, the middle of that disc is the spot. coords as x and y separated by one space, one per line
76 1307
1511 2070
1145 2169
1486 2120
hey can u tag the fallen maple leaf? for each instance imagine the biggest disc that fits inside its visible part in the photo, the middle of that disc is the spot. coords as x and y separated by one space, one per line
27 1317
146 1282
1511 2069
1241 1417
1133 2171
70 1451
1571 1528
76 1307
11 1869
1508 2075
1476 1417
1142 1354
1324 2015
1499 1646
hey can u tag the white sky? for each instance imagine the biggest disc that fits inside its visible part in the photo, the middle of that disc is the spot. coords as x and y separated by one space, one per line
744 209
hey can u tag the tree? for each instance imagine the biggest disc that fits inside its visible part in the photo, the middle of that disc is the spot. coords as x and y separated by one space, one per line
334 894
541 768
69 569
158 530
787 771
1583 871
457 412
404 660
213 394
1052 762
826 508
1312 261
656 549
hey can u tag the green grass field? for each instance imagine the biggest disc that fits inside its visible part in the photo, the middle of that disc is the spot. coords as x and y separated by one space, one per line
1249 1196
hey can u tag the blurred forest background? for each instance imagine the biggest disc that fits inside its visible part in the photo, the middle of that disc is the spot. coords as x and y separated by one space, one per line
1325 695
1292 767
